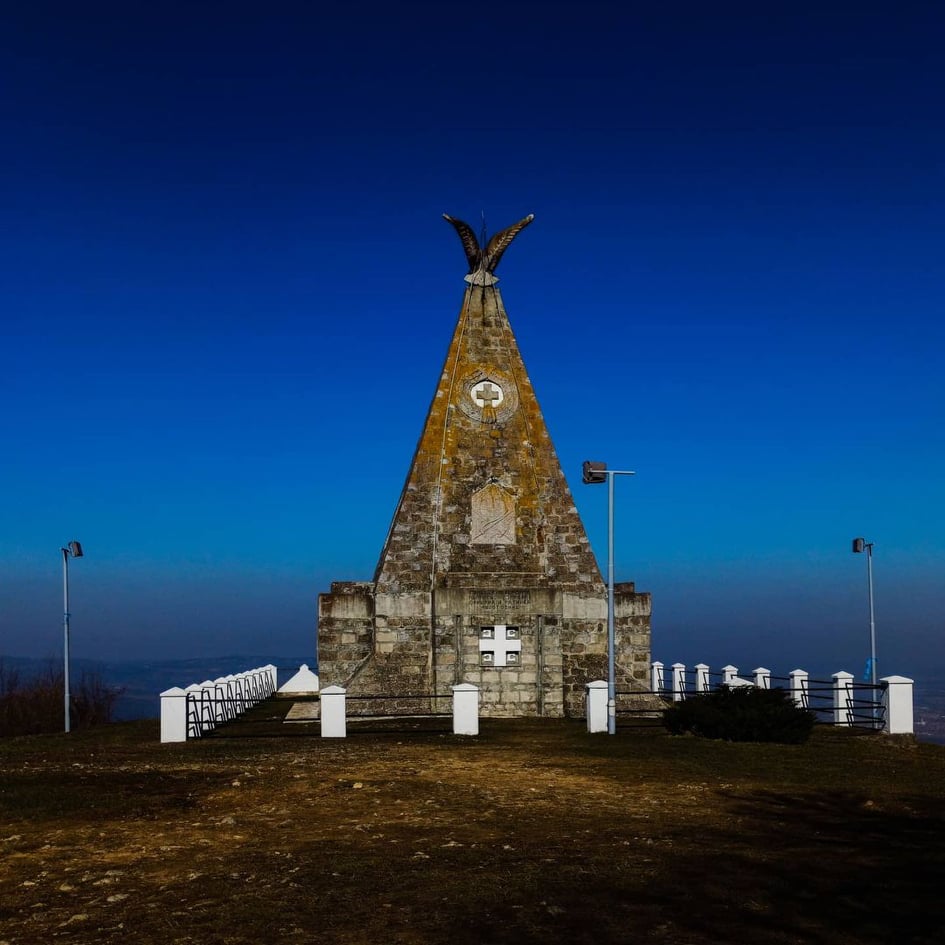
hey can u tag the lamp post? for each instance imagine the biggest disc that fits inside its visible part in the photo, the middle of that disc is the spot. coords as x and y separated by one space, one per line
859 546
595 473
75 550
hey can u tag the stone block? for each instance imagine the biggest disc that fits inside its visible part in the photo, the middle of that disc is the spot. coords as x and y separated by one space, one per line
353 602
408 604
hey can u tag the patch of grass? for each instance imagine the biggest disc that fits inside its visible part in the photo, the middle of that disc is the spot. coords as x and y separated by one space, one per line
533 832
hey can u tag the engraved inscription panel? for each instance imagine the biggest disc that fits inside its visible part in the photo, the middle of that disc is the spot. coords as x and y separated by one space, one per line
493 517
487 602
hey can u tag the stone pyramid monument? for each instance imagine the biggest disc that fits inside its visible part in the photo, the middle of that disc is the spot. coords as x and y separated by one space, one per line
486 575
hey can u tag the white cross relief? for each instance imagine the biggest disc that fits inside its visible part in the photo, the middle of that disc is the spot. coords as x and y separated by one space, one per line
487 394
502 641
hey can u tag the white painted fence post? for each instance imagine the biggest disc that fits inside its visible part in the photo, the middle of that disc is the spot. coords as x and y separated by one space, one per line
465 709
595 706
656 677
799 687
334 724
174 715
702 678
897 701
728 674
842 698
762 678
679 682
273 684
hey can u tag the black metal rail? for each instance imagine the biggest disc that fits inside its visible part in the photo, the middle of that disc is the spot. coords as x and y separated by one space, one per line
862 706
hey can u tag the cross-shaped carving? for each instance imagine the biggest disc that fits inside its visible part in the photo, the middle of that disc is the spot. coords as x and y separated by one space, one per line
500 644
485 395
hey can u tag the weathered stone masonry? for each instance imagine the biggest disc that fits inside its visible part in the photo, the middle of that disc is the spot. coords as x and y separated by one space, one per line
486 561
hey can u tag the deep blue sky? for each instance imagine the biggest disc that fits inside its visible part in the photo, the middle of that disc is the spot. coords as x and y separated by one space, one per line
227 293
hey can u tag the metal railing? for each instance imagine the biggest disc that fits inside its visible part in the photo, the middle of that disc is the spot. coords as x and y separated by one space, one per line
839 701
202 707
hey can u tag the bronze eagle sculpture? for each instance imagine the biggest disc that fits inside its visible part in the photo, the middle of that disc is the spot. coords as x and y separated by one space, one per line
482 262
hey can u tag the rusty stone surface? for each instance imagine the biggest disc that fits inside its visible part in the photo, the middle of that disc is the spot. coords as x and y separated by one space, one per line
485 532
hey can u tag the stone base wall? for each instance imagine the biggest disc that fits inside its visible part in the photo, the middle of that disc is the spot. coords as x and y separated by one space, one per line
392 645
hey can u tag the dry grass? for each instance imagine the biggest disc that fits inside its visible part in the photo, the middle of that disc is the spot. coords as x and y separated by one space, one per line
534 832
32 705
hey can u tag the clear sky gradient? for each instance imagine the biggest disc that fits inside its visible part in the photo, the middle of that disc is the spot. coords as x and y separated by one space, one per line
227 294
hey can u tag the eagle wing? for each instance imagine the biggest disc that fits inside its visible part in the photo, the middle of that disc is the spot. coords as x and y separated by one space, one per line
500 242
469 241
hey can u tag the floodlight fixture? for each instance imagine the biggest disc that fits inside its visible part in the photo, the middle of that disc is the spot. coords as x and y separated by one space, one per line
594 472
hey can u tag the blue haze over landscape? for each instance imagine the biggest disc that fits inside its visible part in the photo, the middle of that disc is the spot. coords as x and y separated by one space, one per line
227 295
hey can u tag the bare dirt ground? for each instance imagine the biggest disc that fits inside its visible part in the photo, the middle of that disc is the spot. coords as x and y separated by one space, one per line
533 832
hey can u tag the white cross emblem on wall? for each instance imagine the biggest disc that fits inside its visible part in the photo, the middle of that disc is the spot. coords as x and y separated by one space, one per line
503 640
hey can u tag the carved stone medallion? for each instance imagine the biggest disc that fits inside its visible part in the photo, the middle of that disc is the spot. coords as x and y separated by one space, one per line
488 395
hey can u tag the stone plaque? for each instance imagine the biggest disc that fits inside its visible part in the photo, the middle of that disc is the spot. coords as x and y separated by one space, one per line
493 517
494 602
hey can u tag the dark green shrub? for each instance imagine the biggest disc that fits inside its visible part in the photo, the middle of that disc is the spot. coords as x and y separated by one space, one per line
741 714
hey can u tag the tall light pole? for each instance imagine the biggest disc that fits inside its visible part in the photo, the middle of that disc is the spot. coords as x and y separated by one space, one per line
75 550
595 473
859 546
